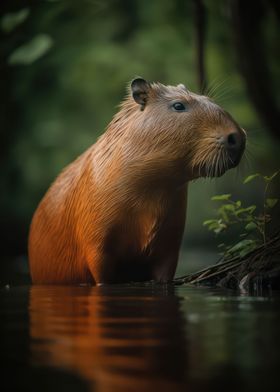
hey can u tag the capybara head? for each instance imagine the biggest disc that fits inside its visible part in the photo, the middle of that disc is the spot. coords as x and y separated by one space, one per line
182 127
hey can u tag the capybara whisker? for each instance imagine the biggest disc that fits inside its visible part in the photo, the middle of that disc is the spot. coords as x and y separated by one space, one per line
217 89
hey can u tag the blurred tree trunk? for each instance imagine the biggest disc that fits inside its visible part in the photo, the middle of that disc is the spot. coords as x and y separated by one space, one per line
275 4
200 23
247 17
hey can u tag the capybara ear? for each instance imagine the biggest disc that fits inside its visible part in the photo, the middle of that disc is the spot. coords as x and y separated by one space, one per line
140 91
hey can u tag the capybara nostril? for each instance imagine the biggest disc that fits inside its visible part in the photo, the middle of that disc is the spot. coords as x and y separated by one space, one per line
232 140
235 144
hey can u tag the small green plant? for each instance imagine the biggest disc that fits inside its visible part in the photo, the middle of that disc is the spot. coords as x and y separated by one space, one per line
252 223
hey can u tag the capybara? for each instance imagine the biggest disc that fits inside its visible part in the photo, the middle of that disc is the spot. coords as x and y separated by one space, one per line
117 213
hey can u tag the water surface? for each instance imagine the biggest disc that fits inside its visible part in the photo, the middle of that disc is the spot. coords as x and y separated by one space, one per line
138 338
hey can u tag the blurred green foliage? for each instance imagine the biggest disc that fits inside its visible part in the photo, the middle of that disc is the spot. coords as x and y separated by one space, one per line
11 20
31 51
65 66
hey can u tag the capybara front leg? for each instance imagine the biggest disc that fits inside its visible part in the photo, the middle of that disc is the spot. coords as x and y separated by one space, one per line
165 268
102 267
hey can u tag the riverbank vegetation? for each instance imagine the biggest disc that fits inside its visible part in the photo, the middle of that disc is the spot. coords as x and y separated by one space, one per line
251 262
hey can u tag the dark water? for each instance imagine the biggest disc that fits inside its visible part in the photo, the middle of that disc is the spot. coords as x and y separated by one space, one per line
138 338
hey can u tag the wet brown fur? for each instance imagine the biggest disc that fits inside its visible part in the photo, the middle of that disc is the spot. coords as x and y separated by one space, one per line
117 213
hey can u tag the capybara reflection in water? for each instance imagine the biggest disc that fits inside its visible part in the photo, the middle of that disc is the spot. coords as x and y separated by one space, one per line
117 213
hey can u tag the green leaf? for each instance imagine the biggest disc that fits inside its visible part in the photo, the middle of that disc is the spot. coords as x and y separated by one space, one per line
10 21
241 245
221 197
238 203
251 226
213 226
248 210
270 178
219 229
31 51
209 221
222 213
247 250
271 202
221 226
251 209
250 178
229 207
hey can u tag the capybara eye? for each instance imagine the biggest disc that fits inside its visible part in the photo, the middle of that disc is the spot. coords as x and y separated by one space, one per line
179 107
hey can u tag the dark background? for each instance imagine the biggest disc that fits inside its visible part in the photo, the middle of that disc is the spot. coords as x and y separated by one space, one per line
65 66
